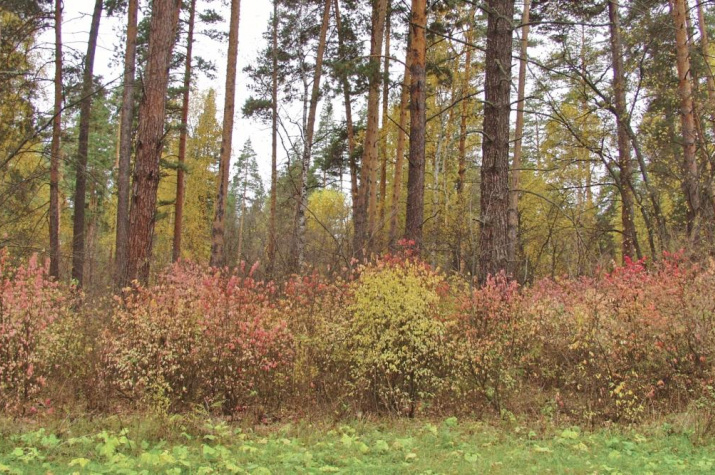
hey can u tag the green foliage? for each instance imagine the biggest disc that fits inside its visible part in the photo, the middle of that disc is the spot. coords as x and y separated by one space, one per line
415 447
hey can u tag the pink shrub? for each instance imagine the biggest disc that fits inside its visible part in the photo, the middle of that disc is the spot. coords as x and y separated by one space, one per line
633 341
32 307
491 331
198 336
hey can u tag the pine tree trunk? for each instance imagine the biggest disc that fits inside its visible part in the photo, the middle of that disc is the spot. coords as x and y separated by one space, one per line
302 201
80 194
687 118
55 150
150 143
358 211
400 149
362 219
458 263
354 190
270 269
416 166
218 253
705 50
125 146
385 121
629 244
179 203
368 173
494 200
513 214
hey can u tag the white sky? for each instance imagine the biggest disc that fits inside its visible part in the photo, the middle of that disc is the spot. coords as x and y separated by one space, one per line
255 15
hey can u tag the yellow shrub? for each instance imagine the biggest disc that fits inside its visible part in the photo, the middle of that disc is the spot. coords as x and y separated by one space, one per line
395 335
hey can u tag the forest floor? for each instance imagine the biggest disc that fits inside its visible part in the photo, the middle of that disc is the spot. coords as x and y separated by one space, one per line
181 444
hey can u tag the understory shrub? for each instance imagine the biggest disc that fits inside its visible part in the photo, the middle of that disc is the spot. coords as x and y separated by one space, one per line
36 333
633 342
395 334
198 337
316 311
492 336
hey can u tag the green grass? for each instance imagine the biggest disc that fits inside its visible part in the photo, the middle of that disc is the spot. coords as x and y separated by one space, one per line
177 445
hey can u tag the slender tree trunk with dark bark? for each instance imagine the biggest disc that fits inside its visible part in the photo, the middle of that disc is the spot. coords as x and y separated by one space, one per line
494 200
239 253
55 150
183 134
85 112
687 118
629 237
400 149
125 145
302 199
458 262
466 90
513 216
385 121
354 187
416 167
705 50
150 139
271 265
218 240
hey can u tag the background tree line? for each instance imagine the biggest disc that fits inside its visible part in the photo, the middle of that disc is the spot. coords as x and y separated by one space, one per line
538 138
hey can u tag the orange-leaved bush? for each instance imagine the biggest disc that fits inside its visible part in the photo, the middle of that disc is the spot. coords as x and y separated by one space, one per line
199 336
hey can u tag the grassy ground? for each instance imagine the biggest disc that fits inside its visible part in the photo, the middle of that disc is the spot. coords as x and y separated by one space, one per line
178 445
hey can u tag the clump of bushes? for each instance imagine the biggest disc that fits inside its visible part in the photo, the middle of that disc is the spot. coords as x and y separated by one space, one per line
198 337
36 322
394 336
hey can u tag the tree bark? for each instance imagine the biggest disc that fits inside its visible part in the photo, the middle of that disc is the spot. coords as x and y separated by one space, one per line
85 113
150 139
367 193
513 213
466 88
494 200
705 51
302 201
218 254
385 121
348 117
243 215
358 217
270 269
416 167
687 118
125 145
183 134
55 150
629 243
400 149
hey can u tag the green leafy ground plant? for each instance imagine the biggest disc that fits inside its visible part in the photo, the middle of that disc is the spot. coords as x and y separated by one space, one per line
449 446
